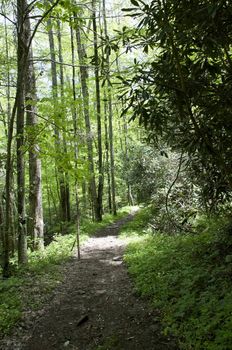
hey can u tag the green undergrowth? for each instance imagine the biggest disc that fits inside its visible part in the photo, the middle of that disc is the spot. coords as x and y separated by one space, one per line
139 227
30 287
89 227
189 279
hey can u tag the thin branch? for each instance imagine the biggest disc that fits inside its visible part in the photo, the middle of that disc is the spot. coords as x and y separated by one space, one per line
61 63
31 4
7 85
169 191
41 19
46 120
6 17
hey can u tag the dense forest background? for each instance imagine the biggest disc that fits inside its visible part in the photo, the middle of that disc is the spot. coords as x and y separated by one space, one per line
64 147
107 104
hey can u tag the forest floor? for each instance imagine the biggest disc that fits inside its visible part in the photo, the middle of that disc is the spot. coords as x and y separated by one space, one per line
96 308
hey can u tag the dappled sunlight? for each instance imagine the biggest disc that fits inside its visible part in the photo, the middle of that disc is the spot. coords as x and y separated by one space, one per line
108 243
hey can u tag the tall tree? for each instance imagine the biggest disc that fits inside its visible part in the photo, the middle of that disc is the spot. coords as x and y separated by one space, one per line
110 111
75 127
98 109
24 40
23 37
10 227
64 206
66 190
35 216
89 137
107 161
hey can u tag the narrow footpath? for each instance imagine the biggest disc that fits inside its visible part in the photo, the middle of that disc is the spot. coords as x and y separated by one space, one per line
96 308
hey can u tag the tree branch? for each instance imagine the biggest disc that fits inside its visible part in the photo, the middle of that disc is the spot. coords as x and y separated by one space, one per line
6 17
61 63
40 21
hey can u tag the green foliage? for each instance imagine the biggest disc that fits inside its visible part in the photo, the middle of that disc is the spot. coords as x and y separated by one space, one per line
152 175
10 303
144 169
56 252
189 279
89 227
182 91
139 224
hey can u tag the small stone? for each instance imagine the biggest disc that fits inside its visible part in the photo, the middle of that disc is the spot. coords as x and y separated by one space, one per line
81 292
130 338
82 320
117 258
100 291
66 343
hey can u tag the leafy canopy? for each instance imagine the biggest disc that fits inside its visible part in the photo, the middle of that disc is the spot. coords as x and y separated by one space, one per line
182 92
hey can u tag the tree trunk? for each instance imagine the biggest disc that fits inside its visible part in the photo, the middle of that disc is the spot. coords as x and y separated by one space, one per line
35 221
74 113
58 141
22 58
2 222
111 141
130 198
107 167
12 238
17 112
98 105
66 177
89 138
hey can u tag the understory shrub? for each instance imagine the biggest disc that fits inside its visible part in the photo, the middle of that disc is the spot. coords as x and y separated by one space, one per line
189 278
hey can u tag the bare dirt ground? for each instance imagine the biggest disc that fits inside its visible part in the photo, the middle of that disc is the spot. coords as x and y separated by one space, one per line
96 308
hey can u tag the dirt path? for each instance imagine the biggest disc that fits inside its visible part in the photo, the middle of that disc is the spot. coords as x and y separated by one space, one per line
96 308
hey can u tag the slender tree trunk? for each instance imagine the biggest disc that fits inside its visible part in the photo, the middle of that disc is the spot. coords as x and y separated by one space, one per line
35 221
130 198
98 105
48 196
8 186
23 46
107 154
8 73
66 177
8 95
111 141
106 138
58 141
2 221
84 197
85 94
74 113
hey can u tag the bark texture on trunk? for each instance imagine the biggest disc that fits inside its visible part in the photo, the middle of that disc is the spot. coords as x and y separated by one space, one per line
22 60
35 217
110 106
98 110
107 166
63 194
74 114
89 137
65 189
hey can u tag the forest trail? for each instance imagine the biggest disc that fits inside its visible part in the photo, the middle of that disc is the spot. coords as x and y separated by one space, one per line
96 307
